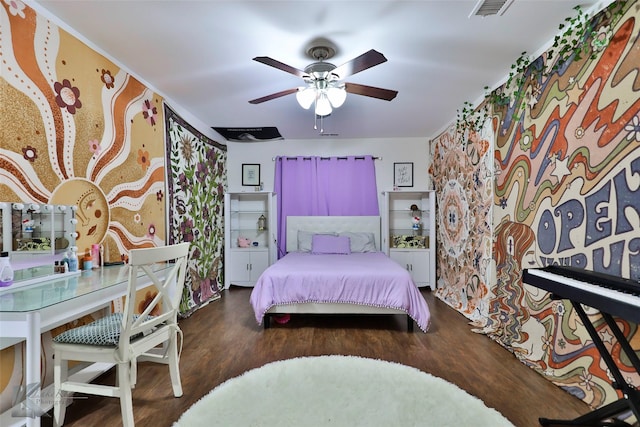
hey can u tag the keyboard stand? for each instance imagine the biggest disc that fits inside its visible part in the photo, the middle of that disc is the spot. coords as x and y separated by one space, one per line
627 405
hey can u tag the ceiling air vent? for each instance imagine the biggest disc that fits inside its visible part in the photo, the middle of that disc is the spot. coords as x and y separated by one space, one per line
490 7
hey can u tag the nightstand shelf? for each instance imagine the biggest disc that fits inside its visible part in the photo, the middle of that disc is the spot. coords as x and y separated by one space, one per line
411 246
249 236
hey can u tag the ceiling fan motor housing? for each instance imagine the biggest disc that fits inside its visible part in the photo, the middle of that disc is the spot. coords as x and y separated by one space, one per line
319 70
321 53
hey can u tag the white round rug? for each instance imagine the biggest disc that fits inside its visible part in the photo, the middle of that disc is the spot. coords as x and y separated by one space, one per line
339 391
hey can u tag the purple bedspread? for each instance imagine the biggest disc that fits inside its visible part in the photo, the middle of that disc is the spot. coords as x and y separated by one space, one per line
370 278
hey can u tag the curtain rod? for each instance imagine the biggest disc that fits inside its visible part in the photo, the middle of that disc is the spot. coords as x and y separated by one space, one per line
327 158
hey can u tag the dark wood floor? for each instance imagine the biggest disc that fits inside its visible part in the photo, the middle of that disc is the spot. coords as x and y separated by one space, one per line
222 340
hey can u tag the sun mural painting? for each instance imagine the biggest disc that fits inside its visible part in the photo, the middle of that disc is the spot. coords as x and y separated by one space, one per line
77 130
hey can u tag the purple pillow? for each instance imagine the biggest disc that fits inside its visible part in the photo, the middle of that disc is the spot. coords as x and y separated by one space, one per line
327 244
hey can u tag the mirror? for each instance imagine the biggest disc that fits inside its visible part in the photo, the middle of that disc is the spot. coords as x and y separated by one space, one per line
36 234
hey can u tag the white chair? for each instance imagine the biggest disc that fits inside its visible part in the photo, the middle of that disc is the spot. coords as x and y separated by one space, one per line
125 338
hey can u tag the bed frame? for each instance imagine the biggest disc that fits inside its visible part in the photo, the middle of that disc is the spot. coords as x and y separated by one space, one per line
338 224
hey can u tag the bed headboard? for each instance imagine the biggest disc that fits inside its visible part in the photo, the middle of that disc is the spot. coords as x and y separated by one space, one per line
337 224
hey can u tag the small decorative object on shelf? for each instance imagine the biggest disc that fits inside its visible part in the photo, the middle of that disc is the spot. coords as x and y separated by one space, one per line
417 226
27 225
262 223
243 242
410 242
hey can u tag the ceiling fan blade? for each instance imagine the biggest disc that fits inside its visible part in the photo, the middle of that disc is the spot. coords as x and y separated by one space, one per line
361 63
374 92
280 65
273 96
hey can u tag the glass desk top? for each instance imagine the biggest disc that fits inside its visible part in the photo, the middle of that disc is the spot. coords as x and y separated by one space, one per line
64 287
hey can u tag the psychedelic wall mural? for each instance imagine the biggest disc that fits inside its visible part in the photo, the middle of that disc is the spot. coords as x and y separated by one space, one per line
197 183
462 174
566 188
77 130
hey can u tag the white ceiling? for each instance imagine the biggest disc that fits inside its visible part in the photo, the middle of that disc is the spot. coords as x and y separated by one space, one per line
198 55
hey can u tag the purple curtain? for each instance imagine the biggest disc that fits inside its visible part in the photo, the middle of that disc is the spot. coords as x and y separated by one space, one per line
324 186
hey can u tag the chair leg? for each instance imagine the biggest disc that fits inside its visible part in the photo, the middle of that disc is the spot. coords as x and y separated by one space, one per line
126 399
134 372
174 366
60 375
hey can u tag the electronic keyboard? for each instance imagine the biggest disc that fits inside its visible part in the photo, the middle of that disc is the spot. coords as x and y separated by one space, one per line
612 296
607 293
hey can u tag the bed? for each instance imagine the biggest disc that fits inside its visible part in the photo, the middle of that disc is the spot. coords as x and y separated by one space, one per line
334 265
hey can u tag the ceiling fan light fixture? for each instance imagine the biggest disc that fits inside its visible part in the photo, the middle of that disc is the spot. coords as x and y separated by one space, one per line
337 96
323 105
305 96
326 96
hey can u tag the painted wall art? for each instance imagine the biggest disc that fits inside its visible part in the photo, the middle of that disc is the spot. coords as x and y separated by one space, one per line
76 129
565 181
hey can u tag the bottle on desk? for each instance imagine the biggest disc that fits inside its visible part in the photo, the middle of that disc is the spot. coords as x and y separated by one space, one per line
73 259
6 271
96 255
87 262
65 262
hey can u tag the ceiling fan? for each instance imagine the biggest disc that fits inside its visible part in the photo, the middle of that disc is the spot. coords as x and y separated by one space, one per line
324 87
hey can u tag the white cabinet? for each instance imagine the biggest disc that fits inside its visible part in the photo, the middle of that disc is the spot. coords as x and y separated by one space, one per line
249 236
411 242
245 266
416 262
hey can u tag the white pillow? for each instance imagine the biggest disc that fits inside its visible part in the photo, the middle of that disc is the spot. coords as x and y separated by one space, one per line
305 239
361 241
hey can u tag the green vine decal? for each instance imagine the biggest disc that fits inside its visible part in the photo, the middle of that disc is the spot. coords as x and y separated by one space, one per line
577 30
470 118
514 88
572 44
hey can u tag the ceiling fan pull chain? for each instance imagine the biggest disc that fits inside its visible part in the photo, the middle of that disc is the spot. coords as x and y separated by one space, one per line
315 116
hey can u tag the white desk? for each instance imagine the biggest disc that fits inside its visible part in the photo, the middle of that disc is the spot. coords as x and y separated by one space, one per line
28 311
